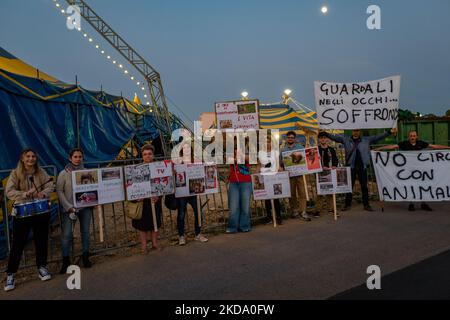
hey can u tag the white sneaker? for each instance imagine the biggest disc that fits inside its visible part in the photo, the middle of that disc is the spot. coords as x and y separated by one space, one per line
10 282
182 241
201 238
44 275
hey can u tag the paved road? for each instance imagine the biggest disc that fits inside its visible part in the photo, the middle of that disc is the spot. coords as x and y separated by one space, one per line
298 260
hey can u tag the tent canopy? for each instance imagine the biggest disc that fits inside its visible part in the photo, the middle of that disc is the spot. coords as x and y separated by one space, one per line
53 117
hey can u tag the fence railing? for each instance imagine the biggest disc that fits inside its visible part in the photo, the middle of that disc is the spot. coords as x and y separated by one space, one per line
111 228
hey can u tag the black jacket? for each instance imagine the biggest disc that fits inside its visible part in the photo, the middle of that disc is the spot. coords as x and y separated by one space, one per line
328 156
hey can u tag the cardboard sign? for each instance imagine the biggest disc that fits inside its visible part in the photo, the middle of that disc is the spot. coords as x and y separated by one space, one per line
149 180
364 105
97 186
334 181
271 186
302 161
237 114
195 179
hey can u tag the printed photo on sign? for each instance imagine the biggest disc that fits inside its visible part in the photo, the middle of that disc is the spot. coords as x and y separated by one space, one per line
181 179
197 186
226 124
211 177
137 174
161 186
258 182
86 177
86 199
294 158
111 174
313 160
341 177
278 189
325 176
247 108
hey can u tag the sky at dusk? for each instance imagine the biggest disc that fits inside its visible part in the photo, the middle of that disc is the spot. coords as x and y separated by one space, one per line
208 51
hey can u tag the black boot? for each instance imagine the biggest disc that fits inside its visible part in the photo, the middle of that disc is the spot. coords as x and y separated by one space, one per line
65 264
86 262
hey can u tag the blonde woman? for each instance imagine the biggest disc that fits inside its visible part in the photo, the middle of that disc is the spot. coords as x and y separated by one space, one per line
26 183
145 224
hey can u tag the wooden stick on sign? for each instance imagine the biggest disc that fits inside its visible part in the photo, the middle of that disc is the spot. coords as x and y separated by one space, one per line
199 215
306 188
272 202
100 222
155 225
334 207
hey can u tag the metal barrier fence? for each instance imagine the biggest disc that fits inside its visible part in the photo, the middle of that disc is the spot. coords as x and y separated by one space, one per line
111 228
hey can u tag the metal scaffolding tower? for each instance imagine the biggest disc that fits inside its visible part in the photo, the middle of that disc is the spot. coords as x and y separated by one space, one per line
162 115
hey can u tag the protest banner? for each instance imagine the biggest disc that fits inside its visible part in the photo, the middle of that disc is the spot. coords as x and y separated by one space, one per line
302 161
241 114
149 180
364 105
413 176
195 179
334 181
97 186
271 186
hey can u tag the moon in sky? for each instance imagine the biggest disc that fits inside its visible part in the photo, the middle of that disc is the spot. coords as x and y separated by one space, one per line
324 9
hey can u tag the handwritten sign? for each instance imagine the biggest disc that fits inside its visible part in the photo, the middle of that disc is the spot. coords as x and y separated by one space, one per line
237 114
413 175
364 105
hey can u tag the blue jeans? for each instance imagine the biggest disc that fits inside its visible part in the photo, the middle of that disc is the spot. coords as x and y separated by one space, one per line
182 208
84 217
239 203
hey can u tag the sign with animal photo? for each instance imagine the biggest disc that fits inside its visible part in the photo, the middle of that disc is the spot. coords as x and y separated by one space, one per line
334 181
137 181
97 186
302 161
362 105
241 114
271 186
195 179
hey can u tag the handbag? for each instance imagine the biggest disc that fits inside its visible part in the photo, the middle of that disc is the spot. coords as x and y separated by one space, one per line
134 209
171 202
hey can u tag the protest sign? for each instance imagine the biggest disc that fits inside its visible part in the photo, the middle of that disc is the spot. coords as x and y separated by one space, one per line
364 105
237 114
334 181
302 161
149 180
195 179
97 186
271 186
413 175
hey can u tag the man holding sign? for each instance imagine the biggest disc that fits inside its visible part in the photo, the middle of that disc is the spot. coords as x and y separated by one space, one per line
413 143
357 156
297 201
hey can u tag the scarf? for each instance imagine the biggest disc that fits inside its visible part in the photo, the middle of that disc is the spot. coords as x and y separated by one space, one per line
71 167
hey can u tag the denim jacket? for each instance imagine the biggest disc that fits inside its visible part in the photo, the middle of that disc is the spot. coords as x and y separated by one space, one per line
363 147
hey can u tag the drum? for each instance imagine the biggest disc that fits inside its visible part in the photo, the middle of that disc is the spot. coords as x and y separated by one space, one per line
31 208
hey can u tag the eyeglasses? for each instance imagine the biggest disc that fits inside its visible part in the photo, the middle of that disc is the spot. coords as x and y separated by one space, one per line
291 137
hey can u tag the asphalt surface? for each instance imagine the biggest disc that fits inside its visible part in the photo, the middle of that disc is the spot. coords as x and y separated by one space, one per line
298 260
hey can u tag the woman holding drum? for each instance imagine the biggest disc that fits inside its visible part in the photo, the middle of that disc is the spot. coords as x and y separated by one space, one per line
29 187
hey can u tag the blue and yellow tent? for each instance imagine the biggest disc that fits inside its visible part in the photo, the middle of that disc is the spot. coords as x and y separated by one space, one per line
284 118
50 116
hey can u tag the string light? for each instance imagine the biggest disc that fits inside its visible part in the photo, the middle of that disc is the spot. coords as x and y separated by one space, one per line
97 46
